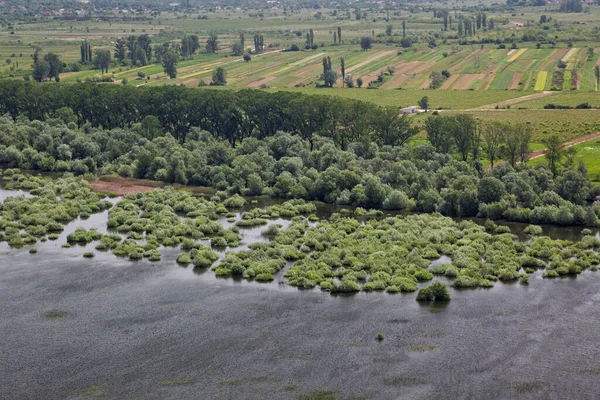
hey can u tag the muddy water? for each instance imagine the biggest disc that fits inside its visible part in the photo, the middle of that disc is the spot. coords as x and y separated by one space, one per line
159 331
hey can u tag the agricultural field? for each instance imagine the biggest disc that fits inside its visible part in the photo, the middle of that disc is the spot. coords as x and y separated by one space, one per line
567 124
481 69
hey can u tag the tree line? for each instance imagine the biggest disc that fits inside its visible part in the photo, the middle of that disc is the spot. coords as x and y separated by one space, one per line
229 115
285 165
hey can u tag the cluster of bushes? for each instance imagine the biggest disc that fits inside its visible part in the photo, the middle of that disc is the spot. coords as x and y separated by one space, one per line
285 166
582 106
394 254
25 220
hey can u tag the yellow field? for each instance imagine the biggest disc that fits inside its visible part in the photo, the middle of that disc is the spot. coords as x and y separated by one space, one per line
540 82
517 54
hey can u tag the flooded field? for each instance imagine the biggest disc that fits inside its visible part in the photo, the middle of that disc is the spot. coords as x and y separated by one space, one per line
108 327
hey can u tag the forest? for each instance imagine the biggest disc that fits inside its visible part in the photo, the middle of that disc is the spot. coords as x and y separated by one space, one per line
356 160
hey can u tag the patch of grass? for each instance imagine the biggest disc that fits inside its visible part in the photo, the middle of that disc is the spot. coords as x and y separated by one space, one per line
290 387
92 391
421 348
179 382
402 381
525 387
585 371
318 395
57 315
229 382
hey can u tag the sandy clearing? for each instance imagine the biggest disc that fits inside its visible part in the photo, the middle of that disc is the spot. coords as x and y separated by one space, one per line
577 79
514 83
263 81
119 188
510 53
395 81
560 53
371 59
466 80
449 81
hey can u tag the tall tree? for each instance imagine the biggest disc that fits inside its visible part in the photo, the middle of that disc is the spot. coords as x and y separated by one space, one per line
56 66
40 70
169 63
403 28
597 75
343 67
102 59
366 43
212 43
120 50
493 133
219 77
388 30
463 134
554 152
339 34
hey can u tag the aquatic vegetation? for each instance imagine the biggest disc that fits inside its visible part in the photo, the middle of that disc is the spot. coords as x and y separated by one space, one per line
89 254
347 253
435 292
421 348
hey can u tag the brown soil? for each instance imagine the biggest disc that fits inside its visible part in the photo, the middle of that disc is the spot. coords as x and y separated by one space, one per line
395 81
191 82
514 83
405 68
560 53
422 67
449 81
466 80
490 73
123 186
263 81
426 84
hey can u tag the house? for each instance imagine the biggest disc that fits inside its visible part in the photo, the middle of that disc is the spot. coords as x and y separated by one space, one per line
409 110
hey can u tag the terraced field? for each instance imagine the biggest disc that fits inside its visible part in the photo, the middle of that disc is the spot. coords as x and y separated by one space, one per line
470 68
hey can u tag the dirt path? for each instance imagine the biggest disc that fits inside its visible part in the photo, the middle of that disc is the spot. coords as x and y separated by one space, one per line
513 101
570 143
